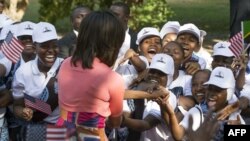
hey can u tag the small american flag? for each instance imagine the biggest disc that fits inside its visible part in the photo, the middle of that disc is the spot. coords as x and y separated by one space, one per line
236 44
37 104
55 133
49 132
12 48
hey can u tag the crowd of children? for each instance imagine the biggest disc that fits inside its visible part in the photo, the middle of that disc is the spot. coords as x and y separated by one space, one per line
107 89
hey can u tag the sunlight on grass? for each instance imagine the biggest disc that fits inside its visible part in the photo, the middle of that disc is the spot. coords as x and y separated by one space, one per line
210 15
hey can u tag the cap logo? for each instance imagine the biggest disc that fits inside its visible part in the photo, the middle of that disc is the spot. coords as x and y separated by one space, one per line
220 75
29 27
46 29
221 46
145 32
161 60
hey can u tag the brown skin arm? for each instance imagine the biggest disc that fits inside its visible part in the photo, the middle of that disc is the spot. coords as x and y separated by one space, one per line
2 70
138 63
5 98
138 94
134 59
170 118
141 125
240 64
114 122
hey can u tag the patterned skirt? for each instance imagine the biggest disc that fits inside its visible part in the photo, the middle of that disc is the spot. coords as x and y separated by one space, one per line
89 126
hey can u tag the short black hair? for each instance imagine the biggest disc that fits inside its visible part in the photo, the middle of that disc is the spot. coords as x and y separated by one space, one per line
206 71
124 6
77 8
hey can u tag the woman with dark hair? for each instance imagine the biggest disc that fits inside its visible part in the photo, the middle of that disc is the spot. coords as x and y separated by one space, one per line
90 93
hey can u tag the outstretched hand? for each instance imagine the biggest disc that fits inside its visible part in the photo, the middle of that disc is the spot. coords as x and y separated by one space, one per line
192 67
165 105
206 131
129 54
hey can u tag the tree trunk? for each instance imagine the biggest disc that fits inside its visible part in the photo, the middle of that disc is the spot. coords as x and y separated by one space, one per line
15 9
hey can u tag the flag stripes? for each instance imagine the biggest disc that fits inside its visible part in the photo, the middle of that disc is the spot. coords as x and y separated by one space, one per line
236 44
37 104
12 48
54 133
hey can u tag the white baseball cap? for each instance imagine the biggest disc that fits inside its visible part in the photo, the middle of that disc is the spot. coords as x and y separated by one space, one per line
44 32
145 32
170 27
5 20
190 28
222 48
25 28
163 62
222 77
6 29
203 33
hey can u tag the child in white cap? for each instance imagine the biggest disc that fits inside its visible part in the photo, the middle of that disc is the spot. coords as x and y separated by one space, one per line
150 123
169 31
189 36
133 63
8 67
149 42
181 84
223 56
220 90
203 53
37 78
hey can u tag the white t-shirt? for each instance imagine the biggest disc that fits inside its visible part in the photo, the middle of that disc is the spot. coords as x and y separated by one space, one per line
246 92
7 64
202 53
30 80
202 63
124 48
161 132
182 83
247 75
129 73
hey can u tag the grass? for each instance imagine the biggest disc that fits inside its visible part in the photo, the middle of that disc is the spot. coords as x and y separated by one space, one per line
209 15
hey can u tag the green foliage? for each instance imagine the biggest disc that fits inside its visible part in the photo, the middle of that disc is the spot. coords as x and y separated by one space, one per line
146 13
150 13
